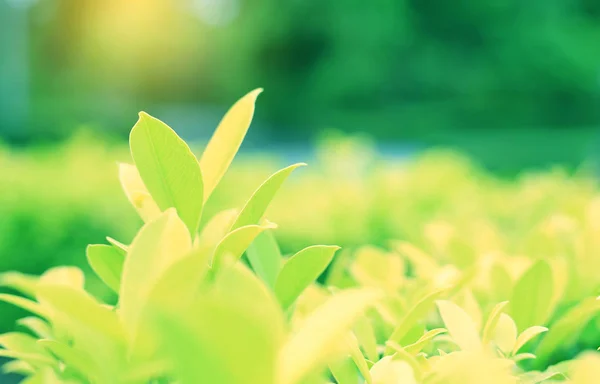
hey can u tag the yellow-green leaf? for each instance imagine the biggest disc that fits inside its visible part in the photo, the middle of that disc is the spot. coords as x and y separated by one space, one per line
300 270
136 192
23 283
505 334
460 325
526 336
423 340
226 141
412 316
157 246
256 207
567 328
168 169
235 243
230 334
107 262
265 258
492 322
391 371
313 345
26 304
531 302
365 335
77 360
36 325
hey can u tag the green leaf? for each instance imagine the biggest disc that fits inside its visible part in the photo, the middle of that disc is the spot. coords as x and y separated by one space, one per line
21 342
416 347
122 248
460 325
526 336
173 291
73 358
78 306
18 367
91 326
137 193
414 315
26 304
300 270
235 243
315 343
168 169
531 302
366 337
391 371
230 334
69 276
226 141
20 282
358 358
566 328
492 322
505 334
265 258
214 231
256 207
36 325
107 262
157 246
344 371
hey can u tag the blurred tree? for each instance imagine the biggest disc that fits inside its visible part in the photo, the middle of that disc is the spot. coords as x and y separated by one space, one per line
394 68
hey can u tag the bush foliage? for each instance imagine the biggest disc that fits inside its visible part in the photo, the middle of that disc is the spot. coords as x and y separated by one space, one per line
488 281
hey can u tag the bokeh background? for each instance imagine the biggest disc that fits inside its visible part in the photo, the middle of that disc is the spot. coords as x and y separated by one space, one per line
481 88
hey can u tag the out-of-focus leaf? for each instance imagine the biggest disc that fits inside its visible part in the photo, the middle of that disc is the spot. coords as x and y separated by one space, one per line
226 141
313 345
300 270
526 336
69 276
157 246
231 333
256 207
532 297
36 325
414 315
26 304
265 258
390 371
460 326
363 329
74 359
107 262
235 243
122 248
492 322
168 169
505 334
566 328
423 340
20 282
137 193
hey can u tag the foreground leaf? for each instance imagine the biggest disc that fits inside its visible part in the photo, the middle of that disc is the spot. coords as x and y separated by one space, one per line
107 262
256 207
226 141
300 270
460 325
168 168
314 343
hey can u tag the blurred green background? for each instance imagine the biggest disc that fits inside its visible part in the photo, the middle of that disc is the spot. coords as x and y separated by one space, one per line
513 85
490 77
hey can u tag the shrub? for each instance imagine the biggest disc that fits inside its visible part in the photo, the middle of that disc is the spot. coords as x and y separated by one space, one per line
215 301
